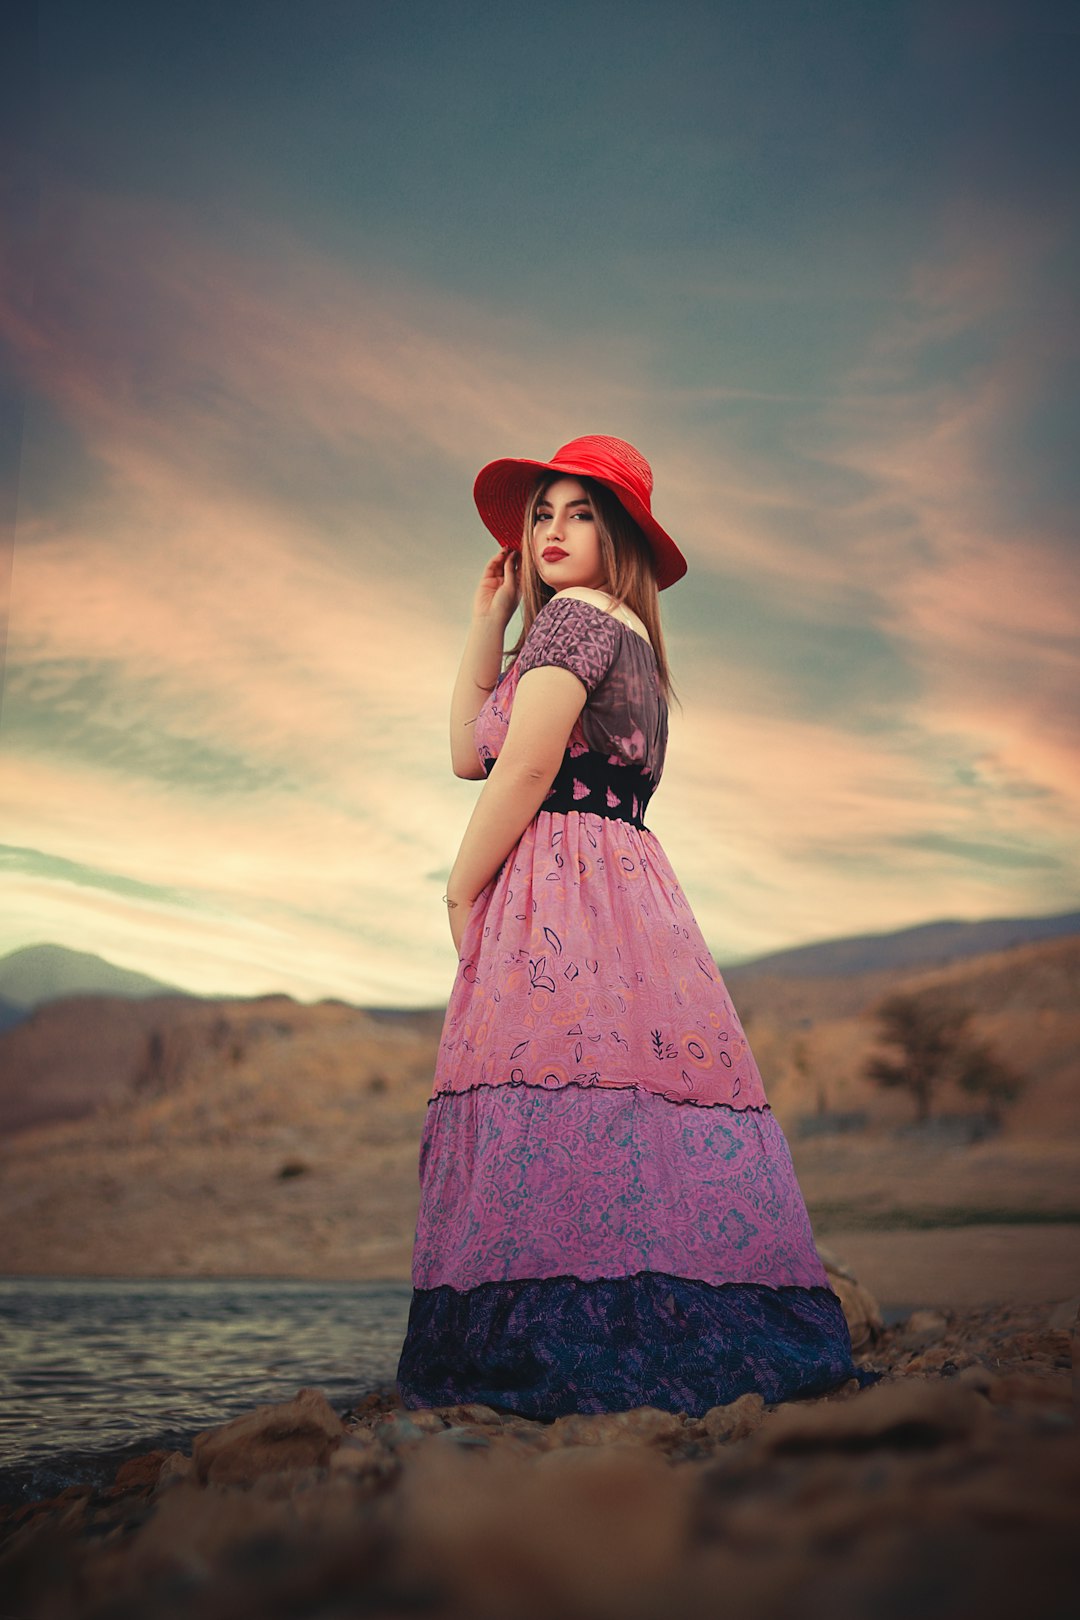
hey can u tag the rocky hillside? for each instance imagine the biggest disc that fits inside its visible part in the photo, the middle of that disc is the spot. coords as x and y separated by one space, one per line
254 1138
812 1036
269 1138
80 1054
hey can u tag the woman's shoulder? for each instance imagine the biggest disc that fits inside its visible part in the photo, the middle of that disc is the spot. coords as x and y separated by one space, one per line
583 593
620 613
570 631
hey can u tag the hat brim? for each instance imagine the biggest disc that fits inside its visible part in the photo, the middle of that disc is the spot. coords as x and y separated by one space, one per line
502 490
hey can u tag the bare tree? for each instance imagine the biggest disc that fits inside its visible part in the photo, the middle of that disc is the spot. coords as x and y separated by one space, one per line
929 1044
983 1073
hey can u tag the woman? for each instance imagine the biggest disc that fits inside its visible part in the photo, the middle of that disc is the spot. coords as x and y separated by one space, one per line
609 1216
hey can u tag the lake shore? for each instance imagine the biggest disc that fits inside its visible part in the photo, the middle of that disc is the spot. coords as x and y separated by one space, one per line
969 1265
952 1485
962 1267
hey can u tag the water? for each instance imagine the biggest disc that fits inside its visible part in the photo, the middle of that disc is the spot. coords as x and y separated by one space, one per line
93 1370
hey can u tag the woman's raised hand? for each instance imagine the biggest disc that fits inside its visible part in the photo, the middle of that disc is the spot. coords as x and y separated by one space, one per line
499 590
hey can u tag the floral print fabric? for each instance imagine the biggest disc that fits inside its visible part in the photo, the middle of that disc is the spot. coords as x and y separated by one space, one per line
524 1182
582 961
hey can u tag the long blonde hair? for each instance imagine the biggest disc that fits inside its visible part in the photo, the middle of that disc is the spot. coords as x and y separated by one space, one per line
628 568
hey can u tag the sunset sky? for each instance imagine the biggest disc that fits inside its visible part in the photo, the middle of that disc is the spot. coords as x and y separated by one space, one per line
279 278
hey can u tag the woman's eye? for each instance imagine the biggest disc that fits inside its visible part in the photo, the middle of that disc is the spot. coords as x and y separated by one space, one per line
586 516
542 517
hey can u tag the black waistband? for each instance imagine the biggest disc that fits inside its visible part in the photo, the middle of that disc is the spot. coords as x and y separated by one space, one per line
591 785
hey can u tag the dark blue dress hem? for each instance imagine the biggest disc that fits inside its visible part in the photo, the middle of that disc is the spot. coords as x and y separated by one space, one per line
546 1347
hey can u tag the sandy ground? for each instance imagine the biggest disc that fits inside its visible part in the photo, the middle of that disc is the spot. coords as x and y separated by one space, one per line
975 1265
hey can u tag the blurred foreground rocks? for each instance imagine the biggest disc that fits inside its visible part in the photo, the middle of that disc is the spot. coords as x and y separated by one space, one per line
951 1487
859 1305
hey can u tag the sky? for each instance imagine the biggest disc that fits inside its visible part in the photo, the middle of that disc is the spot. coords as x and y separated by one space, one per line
278 279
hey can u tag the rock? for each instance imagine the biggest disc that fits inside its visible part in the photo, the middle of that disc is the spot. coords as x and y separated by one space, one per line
861 1309
922 1329
460 1437
361 1460
384 1399
288 1484
355 1451
139 1473
735 1421
1065 1318
1051 1346
175 1468
834 1265
425 1419
907 1414
474 1412
294 1434
842 1392
397 1429
195 1526
938 1359
643 1426
576 1529
1049 1388
976 1376
535 1433
68 1510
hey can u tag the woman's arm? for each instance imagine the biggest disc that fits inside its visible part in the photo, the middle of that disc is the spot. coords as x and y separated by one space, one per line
496 598
547 701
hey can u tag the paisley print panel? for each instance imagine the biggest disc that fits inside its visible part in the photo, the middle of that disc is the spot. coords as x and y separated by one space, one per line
520 1182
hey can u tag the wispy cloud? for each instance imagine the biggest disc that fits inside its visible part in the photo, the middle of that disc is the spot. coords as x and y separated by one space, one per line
235 630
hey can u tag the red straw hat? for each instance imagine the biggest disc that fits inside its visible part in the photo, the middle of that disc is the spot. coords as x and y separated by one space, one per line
502 491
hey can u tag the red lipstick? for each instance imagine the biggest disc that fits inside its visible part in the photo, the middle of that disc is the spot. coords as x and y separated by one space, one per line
552 553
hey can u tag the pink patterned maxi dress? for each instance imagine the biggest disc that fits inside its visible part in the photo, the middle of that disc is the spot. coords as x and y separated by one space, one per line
609 1215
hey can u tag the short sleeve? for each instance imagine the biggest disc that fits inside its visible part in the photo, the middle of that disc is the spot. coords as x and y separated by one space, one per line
573 635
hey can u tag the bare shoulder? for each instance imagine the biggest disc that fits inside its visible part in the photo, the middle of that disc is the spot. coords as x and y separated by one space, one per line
601 599
584 593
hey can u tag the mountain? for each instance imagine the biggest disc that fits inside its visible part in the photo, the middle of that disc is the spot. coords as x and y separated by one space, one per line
929 945
40 973
10 1014
78 1054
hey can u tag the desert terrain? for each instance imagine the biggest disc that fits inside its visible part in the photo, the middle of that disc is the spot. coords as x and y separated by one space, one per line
268 1138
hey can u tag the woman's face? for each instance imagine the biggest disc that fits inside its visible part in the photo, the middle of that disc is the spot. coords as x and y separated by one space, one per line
566 544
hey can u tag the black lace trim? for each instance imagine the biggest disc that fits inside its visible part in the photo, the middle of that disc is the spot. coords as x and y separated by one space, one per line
582 1085
591 785
565 1277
